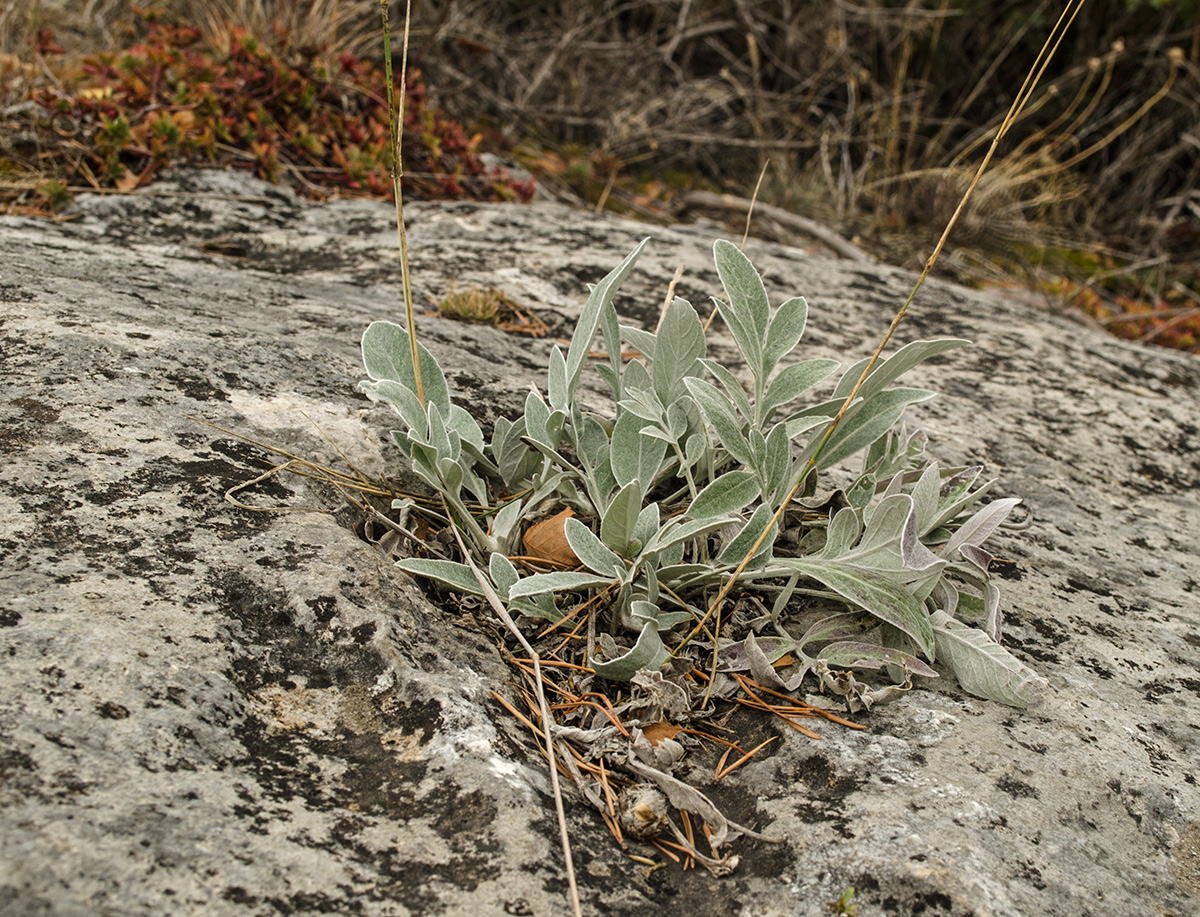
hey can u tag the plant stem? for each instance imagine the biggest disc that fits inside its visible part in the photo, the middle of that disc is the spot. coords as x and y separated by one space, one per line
396 140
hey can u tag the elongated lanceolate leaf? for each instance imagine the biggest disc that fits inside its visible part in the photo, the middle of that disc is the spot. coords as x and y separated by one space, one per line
556 373
729 493
621 518
455 575
785 331
735 551
719 413
872 591
888 370
675 532
665 620
387 355
633 455
680 347
403 400
589 318
504 574
976 530
838 627
591 550
647 653
869 422
730 384
557 582
860 655
983 667
748 311
794 381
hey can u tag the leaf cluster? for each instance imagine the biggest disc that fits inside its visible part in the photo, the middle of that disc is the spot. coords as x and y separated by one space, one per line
693 475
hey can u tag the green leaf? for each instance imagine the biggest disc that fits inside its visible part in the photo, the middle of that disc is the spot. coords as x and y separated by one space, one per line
737 549
665 620
644 403
862 491
888 370
975 531
748 311
590 438
589 318
504 574
438 437
591 550
785 331
556 373
634 456
985 668
842 534
644 342
537 416
837 627
455 575
778 463
558 581
517 462
719 413
646 526
858 655
925 498
647 653
387 355
872 591
730 384
794 381
729 493
636 375
675 531
870 420
679 349
621 518
403 400
506 519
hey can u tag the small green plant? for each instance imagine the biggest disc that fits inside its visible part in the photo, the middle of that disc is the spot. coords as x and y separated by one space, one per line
845 906
474 304
690 471
689 485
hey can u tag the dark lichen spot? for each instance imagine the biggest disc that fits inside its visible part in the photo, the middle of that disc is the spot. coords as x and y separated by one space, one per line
112 711
1018 789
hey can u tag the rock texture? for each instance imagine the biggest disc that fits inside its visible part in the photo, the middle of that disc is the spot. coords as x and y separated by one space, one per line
207 709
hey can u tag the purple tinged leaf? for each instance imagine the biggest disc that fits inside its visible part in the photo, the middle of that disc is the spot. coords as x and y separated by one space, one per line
976 530
858 655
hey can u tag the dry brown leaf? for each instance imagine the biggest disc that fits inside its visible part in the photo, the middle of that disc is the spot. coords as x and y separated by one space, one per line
656 732
548 541
128 182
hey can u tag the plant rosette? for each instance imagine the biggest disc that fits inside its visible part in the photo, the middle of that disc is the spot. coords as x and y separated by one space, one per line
690 470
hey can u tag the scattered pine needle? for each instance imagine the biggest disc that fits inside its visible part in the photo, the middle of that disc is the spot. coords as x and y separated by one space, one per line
742 760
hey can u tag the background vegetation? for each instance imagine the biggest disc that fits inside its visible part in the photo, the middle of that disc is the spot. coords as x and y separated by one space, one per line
872 117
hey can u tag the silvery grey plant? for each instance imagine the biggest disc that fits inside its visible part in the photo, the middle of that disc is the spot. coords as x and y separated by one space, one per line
691 470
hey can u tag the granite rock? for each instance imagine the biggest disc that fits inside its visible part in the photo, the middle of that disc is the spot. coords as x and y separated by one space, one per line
208 708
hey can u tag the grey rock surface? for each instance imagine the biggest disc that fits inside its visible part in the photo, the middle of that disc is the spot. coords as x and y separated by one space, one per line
207 709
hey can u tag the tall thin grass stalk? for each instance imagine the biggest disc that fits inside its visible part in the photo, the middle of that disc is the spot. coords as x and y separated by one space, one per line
396 142
1045 55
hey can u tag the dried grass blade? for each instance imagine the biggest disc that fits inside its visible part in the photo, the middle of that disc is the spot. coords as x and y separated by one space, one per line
506 618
